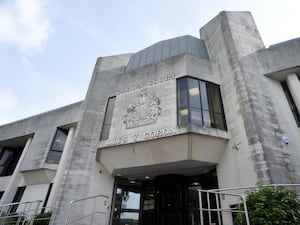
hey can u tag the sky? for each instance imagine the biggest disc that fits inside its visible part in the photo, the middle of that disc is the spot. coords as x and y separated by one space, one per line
48 48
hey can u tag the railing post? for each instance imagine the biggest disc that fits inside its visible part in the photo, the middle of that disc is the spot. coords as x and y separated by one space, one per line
200 207
246 209
35 212
218 207
208 207
69 211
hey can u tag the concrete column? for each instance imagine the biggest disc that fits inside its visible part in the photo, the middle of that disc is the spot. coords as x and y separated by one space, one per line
61 167
293 84
15 178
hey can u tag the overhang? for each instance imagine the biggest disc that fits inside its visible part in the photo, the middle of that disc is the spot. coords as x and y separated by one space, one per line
185 153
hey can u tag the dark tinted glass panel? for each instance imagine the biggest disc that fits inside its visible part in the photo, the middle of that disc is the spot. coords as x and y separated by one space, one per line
6 157
206 118
9 158
291 102
105 132
194 95
196 117
199 102
215 98
219 121
108 118
54 157
182 93
183 116
204 100
59 140
57 146
109 110
1 194
17 198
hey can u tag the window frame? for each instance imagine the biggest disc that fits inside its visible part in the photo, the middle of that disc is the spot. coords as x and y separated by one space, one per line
55 150
9 165
107 119
203 95
291 102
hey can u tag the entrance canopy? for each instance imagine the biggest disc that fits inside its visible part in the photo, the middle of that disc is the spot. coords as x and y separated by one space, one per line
185 154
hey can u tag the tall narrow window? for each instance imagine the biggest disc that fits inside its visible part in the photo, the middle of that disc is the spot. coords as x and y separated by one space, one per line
199 103
291 103
17 198
9 158
57 146
108 118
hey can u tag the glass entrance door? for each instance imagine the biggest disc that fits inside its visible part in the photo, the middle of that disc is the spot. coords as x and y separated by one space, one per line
127 207
165 200
172 204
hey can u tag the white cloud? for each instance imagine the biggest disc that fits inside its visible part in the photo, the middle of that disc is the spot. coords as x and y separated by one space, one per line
24 24
8 102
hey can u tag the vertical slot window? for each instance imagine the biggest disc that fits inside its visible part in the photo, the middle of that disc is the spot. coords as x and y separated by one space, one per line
17 198
108 118
57 146
291 102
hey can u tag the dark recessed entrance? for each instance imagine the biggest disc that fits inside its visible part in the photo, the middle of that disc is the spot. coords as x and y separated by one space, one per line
168 199
171 200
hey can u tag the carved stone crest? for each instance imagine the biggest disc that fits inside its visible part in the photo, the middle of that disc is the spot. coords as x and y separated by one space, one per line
143 111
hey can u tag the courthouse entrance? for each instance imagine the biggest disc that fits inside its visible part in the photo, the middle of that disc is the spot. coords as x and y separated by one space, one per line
168 199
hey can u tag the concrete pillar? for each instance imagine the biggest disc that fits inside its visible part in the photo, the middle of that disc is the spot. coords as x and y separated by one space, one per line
15 178
61 167
293 84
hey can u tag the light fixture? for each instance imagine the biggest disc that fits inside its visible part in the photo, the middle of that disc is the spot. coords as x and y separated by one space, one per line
119 175
147 177
195 183
132 182
194 91
184 112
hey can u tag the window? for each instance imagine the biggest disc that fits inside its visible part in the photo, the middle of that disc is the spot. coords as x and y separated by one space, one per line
57 146
17 198
108 118
9 158
291 103
1 194
199 103
47 198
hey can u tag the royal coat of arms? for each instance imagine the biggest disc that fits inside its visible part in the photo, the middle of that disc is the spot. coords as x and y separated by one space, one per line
143 111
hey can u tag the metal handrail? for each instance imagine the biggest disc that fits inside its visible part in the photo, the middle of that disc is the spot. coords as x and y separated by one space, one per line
24 213
228 191
254 187
80 200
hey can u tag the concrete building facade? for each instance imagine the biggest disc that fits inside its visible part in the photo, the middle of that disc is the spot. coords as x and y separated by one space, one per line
180 115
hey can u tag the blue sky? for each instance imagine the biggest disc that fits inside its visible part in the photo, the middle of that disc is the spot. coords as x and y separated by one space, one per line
48 49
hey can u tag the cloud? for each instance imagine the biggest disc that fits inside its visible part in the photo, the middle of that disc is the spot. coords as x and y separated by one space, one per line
24 24
8 103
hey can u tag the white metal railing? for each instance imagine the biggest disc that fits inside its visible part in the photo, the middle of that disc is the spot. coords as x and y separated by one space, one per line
206 197
19 213
218 209
94 210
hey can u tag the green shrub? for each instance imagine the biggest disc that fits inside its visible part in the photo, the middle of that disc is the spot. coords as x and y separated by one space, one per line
271 206
42 219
